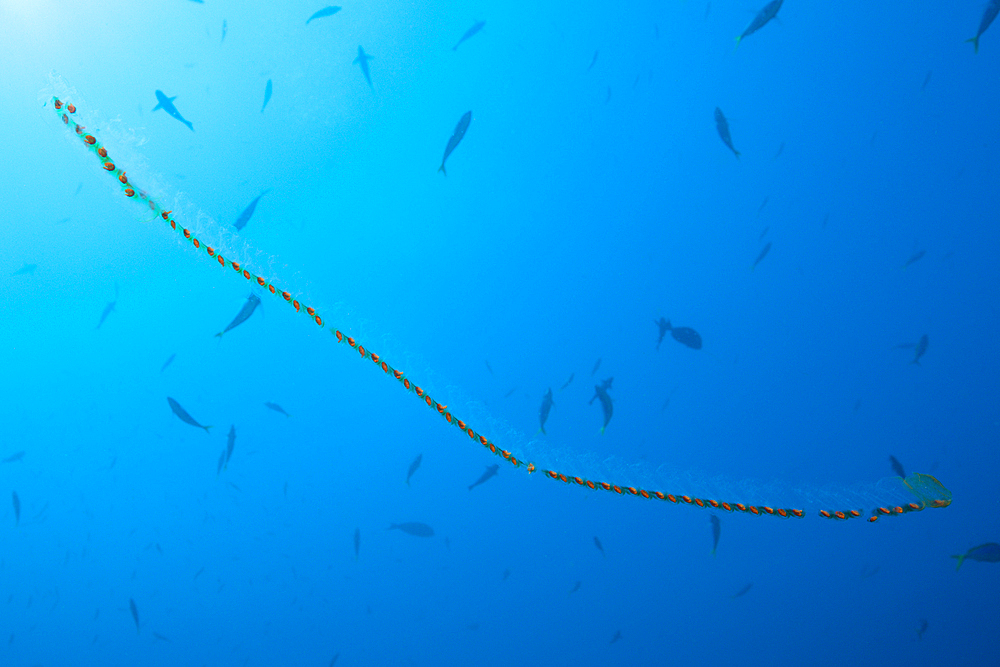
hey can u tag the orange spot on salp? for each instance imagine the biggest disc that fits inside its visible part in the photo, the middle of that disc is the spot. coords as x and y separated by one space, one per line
80 129
472 434
634 491
261 281
699 502
504 453
873 518
420 392
210 250
165 214
65 119
883 510
129 192
310 310
617 489
798 513
70 108
461 424
781 512
406 382
90 139
767 509
591 484
374 357
553 474
713 503
660 494
271 288
440 408
361 350
514 461
319 320
578 480
686 499
856 513
195 242
563 478
671 497
840 515
727 507
824 513
352 343
428 400
447 417
741 507
385 367
482 439
340 338
58 103
173 225
397 373
493 448
295 304
186 233
644 494
895 510
109 165
605 486
531 468
122 178
914 507
286 296
247 274
222 262
102 151
753 510
236 266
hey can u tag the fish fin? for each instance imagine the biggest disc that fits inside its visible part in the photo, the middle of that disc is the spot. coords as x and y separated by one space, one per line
915 361
961 559
157 106
602 430
736 153
206 428
219 335
975 43
713 553
173 98
541 430
190 125
441 169
738 38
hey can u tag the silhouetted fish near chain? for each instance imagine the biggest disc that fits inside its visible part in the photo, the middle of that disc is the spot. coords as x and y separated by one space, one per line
664 326
763 253
922 629
685 336
762 18
167 362
326 11
245 312
276 408
225 27
456 136
414 528
600 547
183 415
617 636
576 587
362 60
593 61
897 467
740 593
722 127
984 553
920 349
915 257
108 308
491 471
244 218
267 98
476 27
17 509
157 635
167 104
16 456
222 462
607 405
543 411
597 364
230 443
135 613
333 660
716 532
990 13
413 468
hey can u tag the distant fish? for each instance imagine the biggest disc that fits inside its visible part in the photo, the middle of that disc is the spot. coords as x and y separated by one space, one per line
506 574
510 393
362 60
597 364
413 467
135 614
333 660
245 312
763 253
990 13
566 384
922 629
323 13
914 258
413 528
167 104
764 233
716 532
491 471
224 28
108 308
166 363
222 462
267 98
984 553
722 127
17 509
781 149
357 542
607 405
762 205
230 443
576 587
463 125
157 635
244 218
183 415
664 326
600 547
14 458
897 467
920 349
543 411
593 61
276 408
762 18
685 336
476 27
25 270
927 79
616 637
740 593
488 367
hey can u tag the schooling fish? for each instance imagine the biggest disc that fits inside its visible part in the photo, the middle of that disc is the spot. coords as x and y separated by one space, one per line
362 60
326 11
597 364
543 412
476 27
763 18
740 593
267 98
167 104
601 393
686 336
224 28
245 312
922 629
222 462
414 528
920 349
13 458
357 542
600 547
413 468
576 587
26 269
915 257
984 553
463 125
593 61
716 532
135 614
491 471
897 467
617 636
763 253
990 13
722 126
17 509
244 218
108 308
566 384
276 408
183 415
664 326
167 362
230 443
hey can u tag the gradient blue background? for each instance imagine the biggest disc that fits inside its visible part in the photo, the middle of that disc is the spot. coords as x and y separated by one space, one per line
566 224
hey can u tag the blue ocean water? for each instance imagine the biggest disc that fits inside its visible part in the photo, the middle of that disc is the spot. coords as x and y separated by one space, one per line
591 196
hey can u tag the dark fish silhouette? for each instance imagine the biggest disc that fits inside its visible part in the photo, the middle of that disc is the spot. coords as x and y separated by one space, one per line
618 635
413 468
267 98
491 471
922 629
722 126
740 593
716 532
167 104
566 384
576 587
245 312
915 257
762 18
488 367
762 205
764 233
357 542
686 336
222 462
224 27
13 458
463 125
984 553
597 364
763 253
108 308
26 269
664 326
601 393
990 13
897 467
326 11
543 411
476 27
17 509
277 408
244 218
920 349
157 635
135 614
362 60
510 393
413 528
593 61
167 362
600 547
333 660
781 149
927 79
183 415
506 574
230 443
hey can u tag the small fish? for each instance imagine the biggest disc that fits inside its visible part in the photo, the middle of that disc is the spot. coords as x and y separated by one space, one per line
167 104
166 363
716 532
333 660
108 308
543 411
13 458
762 18
593 61
915 257
685 336
927 79
267 98
476 27
763 253
764 233
230 443
607 98
235 487
26 269
664 326
984 553
920 349
412 528
506 574
781 149
488 367
362 60
491 471
762 205
600 547
276 408
357 542
244 218
224 28
510 393
597 364
17 508
922 629
722 126
135 614
245 312
157 635
897 467
183 415
198 573
566 384
413 468
463 125
222 462
618 635
326 11
740 593
990 13
576 587
607 405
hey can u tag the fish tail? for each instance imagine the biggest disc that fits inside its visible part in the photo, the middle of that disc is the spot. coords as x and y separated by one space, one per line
961 559
713 552
736 153
975 43
602 430
541 429
219 335
206 428
738 38
915 361
441 169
